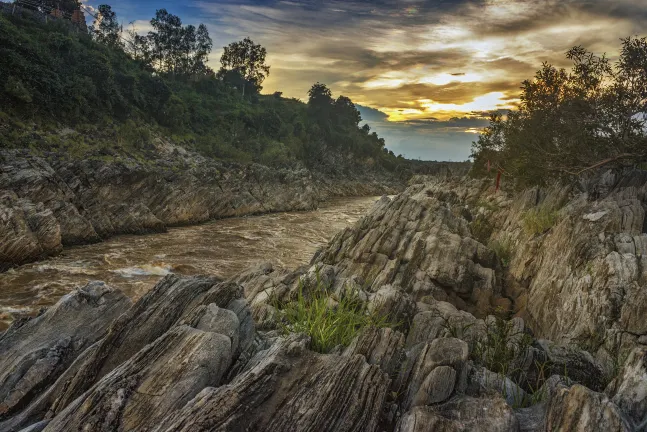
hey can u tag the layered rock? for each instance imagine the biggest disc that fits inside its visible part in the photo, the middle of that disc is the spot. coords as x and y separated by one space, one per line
189 356
51 201
419 244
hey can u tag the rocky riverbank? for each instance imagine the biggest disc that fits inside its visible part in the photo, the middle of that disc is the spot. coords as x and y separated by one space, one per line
474 282
48 201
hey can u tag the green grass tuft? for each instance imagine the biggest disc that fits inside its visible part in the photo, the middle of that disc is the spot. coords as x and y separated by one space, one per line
503 249
329 324
539 220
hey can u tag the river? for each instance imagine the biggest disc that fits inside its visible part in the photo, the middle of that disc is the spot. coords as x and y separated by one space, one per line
135 263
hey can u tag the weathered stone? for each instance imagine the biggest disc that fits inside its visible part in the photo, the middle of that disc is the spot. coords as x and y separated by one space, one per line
579 409
35 353
629 389
163 376
393 304
437 387
423 360
461 414
288 388
578 365
382 347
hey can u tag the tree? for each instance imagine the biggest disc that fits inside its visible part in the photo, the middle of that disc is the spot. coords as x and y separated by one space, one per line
106 28
571 122
176 49
248 60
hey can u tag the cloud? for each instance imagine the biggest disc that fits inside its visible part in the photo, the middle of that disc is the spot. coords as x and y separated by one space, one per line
412 59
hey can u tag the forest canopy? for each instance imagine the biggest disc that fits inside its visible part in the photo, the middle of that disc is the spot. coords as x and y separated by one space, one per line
161 81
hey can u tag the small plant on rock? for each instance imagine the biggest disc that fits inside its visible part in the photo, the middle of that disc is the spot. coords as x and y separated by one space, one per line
501 346
502 247
481 229
328 323
539 220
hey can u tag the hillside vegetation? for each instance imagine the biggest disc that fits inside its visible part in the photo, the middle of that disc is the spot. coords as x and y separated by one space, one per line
121 92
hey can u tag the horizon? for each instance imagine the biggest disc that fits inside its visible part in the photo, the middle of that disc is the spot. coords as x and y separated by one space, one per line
424 74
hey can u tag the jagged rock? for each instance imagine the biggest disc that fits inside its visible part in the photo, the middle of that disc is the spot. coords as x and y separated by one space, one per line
393 304
579 409
289 388
161 377
173 301
81 201
416 377
629 389
461 414
444 320
578 365
36 352
27 231
416 242
533 418
381 347
482 381
437 387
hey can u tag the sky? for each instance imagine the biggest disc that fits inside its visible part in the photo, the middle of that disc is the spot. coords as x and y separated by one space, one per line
425 74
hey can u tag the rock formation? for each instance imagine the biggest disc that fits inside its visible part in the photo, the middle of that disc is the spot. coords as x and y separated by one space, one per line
50 201
528 325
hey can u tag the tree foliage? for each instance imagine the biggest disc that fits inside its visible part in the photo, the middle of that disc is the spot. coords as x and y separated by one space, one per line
571 122
243 66
106 28
51 72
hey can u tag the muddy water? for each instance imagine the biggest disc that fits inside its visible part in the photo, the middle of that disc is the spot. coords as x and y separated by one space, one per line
135 263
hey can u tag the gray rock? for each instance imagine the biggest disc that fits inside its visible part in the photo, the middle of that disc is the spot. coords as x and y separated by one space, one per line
289 388
461 414
35 353
579 409
437 387
629 389
382 347
163 376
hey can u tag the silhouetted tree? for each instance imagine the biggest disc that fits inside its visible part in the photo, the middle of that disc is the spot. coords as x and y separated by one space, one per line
106 28
248 60
570 122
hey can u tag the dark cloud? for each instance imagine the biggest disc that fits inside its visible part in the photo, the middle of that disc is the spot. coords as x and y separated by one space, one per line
409 57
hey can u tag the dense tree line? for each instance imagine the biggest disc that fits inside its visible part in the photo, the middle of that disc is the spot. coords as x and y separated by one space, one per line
161 80
571 122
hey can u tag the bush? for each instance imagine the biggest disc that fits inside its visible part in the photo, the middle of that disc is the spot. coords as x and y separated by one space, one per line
328 325
481 229
572 122
503 249
539 220
501 346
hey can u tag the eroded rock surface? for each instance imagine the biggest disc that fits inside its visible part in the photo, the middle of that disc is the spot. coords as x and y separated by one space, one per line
49 201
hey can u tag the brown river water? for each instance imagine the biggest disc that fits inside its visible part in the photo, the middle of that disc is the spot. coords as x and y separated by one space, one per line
135 263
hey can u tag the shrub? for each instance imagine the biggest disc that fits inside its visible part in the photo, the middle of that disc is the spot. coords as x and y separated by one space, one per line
500 346
539 220
328 325
481 229
503 249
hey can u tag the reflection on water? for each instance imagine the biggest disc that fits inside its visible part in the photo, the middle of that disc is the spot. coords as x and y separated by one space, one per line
135 263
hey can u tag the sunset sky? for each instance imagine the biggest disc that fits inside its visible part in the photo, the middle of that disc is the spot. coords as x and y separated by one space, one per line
424 72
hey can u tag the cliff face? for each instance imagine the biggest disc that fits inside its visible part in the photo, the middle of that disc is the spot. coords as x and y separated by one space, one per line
47 202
